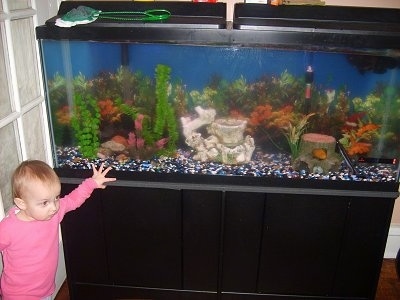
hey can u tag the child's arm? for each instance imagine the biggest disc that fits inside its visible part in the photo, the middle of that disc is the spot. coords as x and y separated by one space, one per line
76 198
99 175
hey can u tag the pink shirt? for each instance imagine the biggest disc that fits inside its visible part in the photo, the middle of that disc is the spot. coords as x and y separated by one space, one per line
30 249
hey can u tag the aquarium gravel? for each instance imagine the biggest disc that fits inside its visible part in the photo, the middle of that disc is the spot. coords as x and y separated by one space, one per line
263 165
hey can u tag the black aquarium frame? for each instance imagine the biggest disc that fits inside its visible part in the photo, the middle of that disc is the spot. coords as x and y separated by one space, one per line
214 237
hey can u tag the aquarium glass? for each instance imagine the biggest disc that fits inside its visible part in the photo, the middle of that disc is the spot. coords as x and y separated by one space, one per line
223 110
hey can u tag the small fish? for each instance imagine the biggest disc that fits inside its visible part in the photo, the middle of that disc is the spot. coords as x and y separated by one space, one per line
320 153
353 121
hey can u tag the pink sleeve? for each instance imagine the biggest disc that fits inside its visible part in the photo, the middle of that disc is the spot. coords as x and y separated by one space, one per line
78 196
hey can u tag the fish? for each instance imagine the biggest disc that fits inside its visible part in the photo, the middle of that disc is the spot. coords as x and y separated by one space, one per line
353 121
320 153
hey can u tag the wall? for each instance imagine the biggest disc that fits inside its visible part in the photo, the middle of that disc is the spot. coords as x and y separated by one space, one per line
369 3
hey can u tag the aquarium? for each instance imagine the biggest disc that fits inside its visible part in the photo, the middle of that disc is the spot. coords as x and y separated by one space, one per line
215 101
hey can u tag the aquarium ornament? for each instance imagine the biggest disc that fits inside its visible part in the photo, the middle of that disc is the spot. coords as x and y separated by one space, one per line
85 15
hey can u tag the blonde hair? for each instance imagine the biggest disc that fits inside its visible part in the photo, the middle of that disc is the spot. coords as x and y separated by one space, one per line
32 170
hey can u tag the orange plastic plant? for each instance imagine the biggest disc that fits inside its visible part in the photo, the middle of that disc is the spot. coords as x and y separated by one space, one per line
357 138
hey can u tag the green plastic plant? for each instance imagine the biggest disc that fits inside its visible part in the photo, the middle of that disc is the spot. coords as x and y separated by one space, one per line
85 123
128 110
165 122
133 112
293 132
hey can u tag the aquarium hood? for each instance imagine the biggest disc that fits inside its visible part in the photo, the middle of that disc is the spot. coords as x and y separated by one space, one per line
182 25
320 26
308 27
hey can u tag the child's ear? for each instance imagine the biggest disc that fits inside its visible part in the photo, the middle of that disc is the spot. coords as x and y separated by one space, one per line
20 203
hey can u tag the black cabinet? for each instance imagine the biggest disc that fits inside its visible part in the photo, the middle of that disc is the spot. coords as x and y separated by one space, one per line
139 254
184 242
85 247
301 243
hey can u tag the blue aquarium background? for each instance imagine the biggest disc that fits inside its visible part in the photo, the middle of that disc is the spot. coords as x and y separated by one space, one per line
196 64
224 110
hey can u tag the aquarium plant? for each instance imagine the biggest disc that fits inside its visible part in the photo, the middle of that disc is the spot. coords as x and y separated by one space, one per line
85 122
154 129
382 107
165 120
140 137
59 109
358 136
293 132
127 109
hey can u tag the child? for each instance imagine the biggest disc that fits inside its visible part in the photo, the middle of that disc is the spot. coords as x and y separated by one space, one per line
29 233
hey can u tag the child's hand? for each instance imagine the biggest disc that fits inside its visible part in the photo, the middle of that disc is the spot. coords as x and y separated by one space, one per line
100 176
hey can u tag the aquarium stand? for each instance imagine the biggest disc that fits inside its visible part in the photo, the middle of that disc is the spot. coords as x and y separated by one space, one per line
168 238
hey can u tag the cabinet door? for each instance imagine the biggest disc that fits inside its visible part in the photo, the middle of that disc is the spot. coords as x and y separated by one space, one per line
201 225
301 243
83 238
363 246
143 233
243 228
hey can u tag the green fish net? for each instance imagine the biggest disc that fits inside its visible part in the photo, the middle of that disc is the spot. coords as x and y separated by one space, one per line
81 14
85 15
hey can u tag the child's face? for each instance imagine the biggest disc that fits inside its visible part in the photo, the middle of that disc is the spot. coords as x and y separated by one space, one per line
40 201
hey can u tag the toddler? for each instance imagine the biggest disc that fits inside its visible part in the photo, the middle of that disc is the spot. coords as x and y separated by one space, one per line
29 234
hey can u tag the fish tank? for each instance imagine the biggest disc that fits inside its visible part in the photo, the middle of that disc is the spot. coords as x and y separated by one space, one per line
299 93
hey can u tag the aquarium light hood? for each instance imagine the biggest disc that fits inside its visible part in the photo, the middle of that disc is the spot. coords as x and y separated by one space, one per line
183 15
317 17
325 28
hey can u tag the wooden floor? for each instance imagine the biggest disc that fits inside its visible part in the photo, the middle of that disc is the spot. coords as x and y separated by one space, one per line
388 287
389 283
63 293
